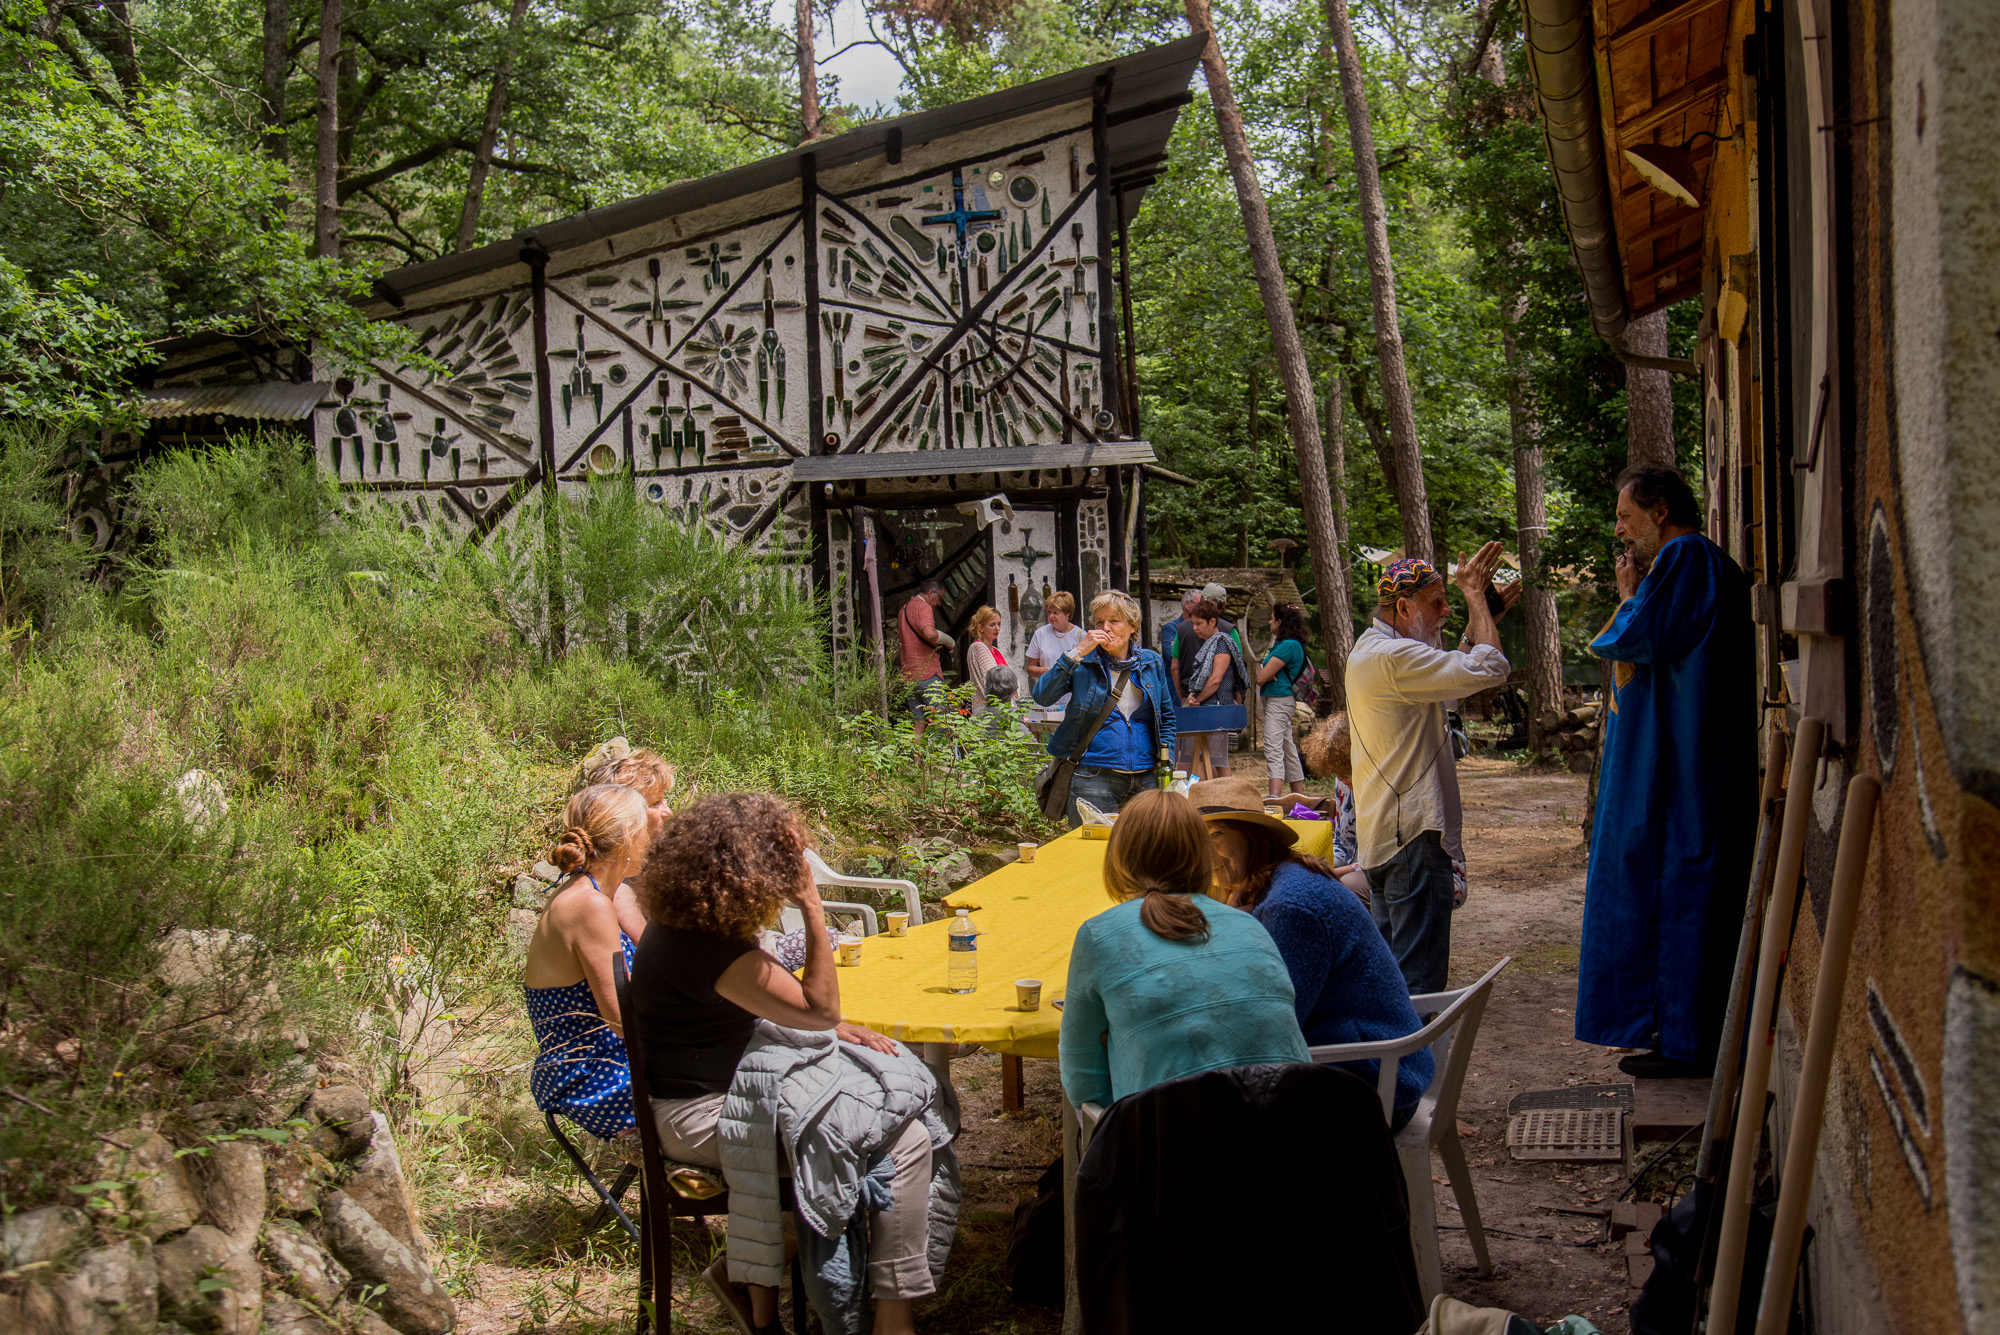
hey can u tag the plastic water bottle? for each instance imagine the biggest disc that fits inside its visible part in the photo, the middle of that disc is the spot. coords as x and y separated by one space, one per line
962 964
1181 783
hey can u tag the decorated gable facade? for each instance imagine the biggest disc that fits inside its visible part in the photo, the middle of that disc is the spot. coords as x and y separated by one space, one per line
920 321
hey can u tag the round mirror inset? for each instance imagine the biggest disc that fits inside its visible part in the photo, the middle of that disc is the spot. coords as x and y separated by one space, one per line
438 447
656 493
987 241
1023 190
603 459
617 373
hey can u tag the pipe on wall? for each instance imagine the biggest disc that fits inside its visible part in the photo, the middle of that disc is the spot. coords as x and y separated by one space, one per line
1560 59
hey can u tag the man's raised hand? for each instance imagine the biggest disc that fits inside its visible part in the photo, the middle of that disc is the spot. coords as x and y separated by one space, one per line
1476 573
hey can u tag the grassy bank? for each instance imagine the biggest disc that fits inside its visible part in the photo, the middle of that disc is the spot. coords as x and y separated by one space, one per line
382 726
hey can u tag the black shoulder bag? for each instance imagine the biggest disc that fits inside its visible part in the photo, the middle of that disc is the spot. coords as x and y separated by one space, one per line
1052 784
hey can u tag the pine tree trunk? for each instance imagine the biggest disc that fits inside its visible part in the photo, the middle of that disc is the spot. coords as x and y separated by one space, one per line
1649 395
271 86
1531 520
808 73
326 169
489 132
1410 494
1336 585
1301 404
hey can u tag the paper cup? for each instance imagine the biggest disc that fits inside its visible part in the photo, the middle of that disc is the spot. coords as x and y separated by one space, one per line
849 951
1028 993
1028 852
895 924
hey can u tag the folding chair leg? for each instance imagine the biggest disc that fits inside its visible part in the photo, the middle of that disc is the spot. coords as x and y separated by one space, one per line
1453 1155
607 1196
608 1205
1416 1161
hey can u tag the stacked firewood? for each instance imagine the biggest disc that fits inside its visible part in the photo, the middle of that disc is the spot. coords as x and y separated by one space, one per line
1570 735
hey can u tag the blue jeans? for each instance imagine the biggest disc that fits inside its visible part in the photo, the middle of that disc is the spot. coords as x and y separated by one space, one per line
1412 906
924 698
1107 789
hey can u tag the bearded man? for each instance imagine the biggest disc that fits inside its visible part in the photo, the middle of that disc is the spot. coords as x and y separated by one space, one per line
1405 776
1677 789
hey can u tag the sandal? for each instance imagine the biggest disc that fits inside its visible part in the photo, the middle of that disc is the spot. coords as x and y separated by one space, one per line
734 1300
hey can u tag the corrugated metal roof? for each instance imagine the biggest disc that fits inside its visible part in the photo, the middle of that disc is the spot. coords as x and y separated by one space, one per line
1147 89
938 463
269 401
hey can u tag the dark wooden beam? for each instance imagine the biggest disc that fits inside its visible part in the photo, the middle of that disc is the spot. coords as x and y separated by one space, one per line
1672 264
1657 16
1685 98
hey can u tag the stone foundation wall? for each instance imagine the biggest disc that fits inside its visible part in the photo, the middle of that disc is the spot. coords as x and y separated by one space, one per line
199 1225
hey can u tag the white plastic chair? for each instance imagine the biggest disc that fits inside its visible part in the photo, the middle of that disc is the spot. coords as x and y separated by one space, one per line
824 875
1434 1126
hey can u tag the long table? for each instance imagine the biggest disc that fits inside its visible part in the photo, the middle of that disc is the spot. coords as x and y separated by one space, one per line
1027 914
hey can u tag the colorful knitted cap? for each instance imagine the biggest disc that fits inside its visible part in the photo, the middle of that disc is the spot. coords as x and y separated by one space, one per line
1401 579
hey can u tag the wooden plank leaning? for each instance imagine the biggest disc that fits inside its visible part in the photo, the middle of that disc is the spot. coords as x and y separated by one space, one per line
1816 1068
1727 1289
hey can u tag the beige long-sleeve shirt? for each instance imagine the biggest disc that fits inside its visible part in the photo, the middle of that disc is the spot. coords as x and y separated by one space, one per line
1405 780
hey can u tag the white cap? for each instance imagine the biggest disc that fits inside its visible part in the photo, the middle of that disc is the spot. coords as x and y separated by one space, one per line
963 912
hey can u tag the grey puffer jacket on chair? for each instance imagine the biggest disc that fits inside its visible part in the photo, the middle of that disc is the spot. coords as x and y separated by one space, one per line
833 1107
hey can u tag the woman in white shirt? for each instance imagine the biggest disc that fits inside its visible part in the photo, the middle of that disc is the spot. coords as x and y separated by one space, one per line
1055 639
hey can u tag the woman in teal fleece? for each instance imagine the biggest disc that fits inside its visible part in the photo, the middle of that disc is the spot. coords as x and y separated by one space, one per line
1169 982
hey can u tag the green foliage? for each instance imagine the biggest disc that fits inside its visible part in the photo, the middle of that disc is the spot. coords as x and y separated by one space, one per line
630 579
42 564
968 771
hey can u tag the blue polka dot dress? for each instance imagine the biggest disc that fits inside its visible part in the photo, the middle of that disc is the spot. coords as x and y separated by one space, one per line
581 1070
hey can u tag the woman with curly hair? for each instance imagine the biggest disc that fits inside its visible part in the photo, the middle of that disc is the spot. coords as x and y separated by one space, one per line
1346 986
580 1069
717 874
1169 982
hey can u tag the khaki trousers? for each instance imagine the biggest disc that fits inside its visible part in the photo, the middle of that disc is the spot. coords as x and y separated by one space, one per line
899 1264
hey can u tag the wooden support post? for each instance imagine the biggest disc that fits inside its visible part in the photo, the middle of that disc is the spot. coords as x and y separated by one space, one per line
1013 1084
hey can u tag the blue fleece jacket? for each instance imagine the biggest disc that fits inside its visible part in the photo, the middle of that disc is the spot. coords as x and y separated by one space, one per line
1127 744
1346 983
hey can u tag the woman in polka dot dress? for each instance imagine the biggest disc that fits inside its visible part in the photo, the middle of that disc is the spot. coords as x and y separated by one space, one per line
580 1070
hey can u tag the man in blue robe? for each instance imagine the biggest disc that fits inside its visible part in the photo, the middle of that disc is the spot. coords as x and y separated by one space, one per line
1677 789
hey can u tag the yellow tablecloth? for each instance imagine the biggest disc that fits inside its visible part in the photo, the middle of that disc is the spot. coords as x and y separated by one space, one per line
1027 915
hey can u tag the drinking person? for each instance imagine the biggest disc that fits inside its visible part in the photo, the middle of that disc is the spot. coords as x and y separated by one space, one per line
1121 753
1054 638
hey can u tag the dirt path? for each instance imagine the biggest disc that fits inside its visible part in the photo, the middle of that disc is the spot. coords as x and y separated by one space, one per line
530 1267
1525 856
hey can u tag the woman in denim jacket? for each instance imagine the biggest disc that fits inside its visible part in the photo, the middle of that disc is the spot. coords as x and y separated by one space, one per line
1124 756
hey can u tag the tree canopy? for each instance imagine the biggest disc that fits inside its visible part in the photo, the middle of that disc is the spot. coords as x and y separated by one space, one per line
159 165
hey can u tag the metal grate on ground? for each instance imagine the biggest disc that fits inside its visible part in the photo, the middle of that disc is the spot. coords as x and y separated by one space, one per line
1569 1135
1619 1097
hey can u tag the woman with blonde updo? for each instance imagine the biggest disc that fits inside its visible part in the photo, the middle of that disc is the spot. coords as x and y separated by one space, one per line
580 1070
1169 982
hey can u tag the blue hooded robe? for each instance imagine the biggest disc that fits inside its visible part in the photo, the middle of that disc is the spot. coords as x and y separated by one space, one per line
1676 808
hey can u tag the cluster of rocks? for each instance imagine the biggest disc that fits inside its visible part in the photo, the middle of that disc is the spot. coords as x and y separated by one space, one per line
531 895
1571 735
313 1234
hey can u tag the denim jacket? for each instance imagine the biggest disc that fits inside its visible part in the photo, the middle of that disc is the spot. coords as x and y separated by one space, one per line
1121 744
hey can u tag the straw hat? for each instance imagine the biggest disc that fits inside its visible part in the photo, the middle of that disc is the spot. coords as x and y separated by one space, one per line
1239 800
